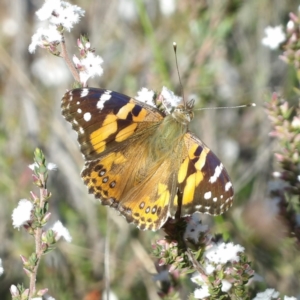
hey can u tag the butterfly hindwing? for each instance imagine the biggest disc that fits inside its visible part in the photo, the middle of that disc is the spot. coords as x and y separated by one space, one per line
203 180
143 191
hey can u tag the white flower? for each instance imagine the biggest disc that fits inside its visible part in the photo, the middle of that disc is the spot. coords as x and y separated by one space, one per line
167 7
61 231
202 293
289 298
226 285
60 13
1 267
50 166
290 25
47 10
146 96
194 228
223 253
197 278
268 294
43 37
170 98
67 15
274 36
14 290
89 66
22 213
296 122
209 268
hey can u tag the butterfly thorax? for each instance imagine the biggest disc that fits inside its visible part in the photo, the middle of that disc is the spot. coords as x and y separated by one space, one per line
168 135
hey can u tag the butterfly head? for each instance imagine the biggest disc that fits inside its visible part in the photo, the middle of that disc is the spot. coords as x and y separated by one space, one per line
183 113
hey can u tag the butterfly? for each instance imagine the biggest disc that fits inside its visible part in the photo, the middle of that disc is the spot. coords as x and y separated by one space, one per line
141 159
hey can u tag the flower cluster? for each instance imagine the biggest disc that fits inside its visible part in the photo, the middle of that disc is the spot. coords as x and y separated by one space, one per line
61 16
33 215
285 122
89 64
270 294
291 47
219 268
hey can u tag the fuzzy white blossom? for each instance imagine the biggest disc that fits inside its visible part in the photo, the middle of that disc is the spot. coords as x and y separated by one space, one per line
60 13
202 292
194 228
61 231
44 37
226 285
170 99
88 67
167 7
50 166
223 253
274 36
146 96
14 290
296 122
22 214
268 294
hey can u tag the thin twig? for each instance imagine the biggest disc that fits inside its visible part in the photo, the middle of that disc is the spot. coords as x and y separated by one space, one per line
38 241
64 54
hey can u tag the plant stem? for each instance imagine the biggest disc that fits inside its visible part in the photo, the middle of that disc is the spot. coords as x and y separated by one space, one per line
65 56
38 241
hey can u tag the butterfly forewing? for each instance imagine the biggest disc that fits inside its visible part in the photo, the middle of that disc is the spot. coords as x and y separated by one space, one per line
104 119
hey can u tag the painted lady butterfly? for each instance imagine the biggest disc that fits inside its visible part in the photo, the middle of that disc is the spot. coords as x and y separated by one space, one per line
142 160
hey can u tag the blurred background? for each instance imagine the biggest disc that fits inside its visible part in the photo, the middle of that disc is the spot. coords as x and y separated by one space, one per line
222 63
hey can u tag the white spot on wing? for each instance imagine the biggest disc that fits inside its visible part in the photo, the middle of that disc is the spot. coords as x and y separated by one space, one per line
87 116
75 122
104 97
218 171
84 92
228 185
207 195
79 110
215 199
81 130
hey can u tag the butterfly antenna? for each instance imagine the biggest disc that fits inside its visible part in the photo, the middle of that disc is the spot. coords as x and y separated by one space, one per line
225 107
181 86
